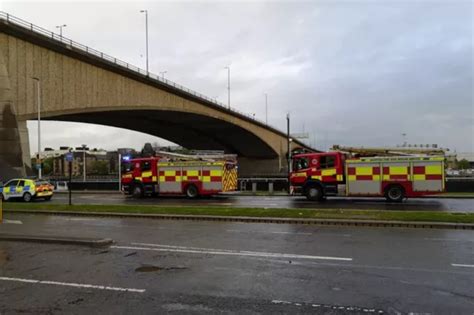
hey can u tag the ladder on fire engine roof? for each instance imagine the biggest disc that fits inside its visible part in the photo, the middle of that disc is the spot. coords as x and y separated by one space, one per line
203 157
402 151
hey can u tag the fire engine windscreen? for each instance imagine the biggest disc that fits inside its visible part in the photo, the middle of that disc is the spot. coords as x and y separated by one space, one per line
127 166
300 163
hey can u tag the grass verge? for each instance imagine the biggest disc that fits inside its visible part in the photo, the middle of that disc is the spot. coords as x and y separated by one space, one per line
425 216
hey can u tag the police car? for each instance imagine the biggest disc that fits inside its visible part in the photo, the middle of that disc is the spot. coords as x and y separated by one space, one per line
26 189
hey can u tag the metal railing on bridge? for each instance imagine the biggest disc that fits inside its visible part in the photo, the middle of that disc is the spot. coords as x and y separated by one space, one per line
88 50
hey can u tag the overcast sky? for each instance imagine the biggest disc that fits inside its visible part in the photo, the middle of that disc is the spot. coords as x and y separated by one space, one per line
357 73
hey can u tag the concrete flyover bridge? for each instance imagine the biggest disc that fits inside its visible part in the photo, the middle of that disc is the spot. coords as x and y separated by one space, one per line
81 84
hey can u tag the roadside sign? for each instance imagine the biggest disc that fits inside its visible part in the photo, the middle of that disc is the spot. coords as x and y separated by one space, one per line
69 157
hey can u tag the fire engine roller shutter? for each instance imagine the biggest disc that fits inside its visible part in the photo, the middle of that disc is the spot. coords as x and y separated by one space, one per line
363 178
190 174
428 176
212 176
169 179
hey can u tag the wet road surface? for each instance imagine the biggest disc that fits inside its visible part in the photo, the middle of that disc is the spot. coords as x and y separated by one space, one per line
436 204
213 267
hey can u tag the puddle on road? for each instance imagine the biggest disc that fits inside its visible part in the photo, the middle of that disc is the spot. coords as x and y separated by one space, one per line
150 268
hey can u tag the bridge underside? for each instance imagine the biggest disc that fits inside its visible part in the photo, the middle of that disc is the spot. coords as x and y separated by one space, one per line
192 131
189 130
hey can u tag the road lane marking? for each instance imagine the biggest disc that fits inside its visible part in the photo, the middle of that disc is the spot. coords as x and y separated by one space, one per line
462 265
334 307
75 285
194 250
12 221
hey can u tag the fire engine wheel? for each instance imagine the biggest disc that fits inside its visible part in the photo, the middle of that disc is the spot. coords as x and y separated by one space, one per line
27 197
314 193
192 192
137 191
394 193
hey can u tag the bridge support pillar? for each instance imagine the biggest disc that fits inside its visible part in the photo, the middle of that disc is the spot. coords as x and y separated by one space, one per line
253 167
14 147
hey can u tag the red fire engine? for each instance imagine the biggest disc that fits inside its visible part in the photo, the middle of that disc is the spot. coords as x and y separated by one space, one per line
317 175
193 178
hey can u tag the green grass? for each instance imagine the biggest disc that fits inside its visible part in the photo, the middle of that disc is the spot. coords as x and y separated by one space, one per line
426 216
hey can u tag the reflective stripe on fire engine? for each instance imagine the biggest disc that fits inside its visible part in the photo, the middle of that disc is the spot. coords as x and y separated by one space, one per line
191 175
356 173
212 176
170 176
328 172
300 174
428 172
229 179
147 174
326 175
396 173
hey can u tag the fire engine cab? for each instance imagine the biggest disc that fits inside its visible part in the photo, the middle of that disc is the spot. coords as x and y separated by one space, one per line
317 175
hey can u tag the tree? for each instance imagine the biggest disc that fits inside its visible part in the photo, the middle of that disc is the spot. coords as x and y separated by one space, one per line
48 166
100 168
463 164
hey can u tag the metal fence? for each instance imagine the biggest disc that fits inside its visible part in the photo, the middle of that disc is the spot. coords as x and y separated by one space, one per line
72 45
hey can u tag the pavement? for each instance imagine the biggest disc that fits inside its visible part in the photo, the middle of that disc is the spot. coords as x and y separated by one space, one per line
413 204
213 267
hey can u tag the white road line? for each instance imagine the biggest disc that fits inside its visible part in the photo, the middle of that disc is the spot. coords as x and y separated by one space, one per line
12 221
462 265
334 307
191 250
75 285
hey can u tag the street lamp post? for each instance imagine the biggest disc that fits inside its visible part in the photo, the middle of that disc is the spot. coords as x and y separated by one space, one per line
38 103
228 86
266 108
84 161
146 29
120 171
162 73
61 29
288 148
